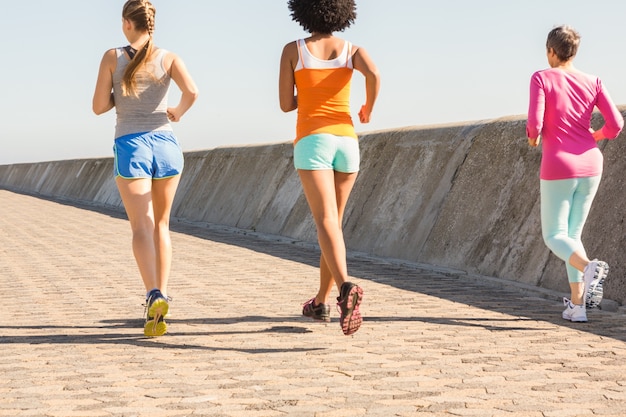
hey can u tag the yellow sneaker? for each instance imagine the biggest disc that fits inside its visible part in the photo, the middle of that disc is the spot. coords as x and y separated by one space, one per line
157 307
155 327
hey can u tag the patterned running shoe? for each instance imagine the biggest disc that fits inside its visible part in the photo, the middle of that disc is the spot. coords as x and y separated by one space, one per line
156 308
319 312
593 277
350 297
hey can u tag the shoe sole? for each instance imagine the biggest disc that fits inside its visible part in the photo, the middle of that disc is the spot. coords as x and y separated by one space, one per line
159 307
155 325
595 291
351 321
154 328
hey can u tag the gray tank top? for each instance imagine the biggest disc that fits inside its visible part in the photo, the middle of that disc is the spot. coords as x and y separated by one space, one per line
148 111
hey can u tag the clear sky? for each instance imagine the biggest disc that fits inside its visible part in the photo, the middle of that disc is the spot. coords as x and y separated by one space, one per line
441 62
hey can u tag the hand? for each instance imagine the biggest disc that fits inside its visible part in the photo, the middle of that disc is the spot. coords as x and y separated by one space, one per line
172 115
534 142
598 135
364 114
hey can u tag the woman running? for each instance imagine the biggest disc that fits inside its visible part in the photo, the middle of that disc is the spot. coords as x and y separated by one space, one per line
562 100
148 159
326 147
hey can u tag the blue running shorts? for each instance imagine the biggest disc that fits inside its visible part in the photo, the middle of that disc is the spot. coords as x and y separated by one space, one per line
154 154
325 151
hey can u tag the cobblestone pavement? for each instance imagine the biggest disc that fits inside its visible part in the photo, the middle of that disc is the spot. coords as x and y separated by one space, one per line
432 343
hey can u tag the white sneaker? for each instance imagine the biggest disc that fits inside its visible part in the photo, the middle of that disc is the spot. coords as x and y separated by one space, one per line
573 312
593 277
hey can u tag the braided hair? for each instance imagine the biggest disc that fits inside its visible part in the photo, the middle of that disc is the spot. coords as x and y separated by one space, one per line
141 13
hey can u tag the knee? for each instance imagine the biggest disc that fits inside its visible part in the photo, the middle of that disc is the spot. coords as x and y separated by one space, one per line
162 228
551 241
546 236
327 222
142 227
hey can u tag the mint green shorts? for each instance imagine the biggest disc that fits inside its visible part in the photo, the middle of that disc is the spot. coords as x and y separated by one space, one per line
325 151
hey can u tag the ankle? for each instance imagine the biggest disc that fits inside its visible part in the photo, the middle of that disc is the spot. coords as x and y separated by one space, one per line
317 301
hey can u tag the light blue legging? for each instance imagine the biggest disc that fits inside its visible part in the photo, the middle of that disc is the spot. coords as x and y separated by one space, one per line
565 205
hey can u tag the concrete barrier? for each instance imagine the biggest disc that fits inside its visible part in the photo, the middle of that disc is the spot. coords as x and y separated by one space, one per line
462 196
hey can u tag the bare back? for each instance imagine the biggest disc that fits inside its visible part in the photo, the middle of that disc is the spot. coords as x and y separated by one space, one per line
325 47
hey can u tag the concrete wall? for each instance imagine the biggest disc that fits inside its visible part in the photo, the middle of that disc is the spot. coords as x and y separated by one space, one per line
464 196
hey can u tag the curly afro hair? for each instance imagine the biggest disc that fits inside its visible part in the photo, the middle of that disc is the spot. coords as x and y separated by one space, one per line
323 16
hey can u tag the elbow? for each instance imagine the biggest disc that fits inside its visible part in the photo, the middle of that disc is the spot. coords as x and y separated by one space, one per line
373 76
98 110
190 96
194 94
100 106
611 132
289 105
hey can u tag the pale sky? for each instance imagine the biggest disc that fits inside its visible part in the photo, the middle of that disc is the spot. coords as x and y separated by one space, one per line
442 61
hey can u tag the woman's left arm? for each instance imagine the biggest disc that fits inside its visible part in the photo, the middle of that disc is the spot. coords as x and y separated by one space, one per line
614 122
182 78
365 65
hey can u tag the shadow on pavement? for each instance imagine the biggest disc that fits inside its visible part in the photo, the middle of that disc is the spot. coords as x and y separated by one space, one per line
93 335
504 298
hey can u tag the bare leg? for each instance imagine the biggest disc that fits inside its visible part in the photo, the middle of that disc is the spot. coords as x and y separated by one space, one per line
148 204
163 192
327 193
326 283
578 260
137 198
576 292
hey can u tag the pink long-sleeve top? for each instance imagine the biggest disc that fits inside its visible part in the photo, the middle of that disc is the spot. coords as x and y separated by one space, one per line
560 109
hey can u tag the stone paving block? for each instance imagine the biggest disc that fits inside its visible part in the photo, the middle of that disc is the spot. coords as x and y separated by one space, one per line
433 343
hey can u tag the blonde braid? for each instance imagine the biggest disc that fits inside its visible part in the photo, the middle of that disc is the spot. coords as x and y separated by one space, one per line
142 13
150 15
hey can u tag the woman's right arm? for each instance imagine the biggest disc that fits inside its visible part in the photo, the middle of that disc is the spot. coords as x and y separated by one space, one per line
286 80
364 64
536 109
103 95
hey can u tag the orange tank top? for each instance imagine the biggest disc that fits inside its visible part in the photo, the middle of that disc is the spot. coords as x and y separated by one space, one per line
323 93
